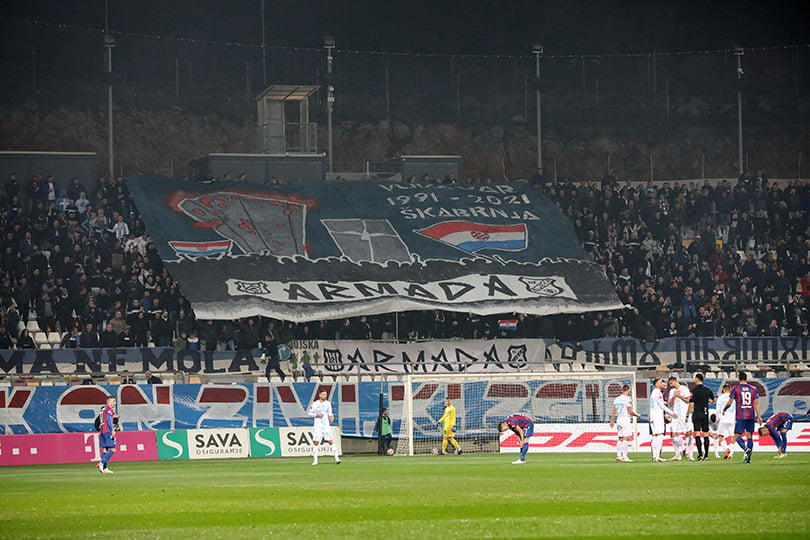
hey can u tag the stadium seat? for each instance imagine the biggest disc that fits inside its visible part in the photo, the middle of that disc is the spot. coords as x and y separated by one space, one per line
54 338
39 338
750 368
194 379
33 327
46 383
44 345
262 379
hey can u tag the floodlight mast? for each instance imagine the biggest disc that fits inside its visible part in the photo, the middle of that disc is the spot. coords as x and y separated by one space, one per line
738 52
537 50
109 44
329 45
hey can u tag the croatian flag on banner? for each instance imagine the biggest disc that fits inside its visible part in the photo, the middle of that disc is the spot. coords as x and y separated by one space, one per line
507 324
472 237
201 249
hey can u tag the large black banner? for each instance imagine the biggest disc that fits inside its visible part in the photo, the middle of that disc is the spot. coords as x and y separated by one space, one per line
325 250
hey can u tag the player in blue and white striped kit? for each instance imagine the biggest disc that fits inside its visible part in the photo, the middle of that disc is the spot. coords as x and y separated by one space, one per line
523 427
777 427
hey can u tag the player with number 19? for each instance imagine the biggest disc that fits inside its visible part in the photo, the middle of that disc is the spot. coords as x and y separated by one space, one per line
746 398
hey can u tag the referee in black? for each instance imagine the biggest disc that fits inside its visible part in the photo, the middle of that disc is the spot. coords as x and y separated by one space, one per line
699 409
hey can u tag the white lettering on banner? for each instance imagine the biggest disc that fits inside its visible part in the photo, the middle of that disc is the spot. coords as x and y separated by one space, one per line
173 444
462 289
223 403
218 443
574 438
471 212
91 446
78 406
416 186
297 441
15 401
502 355
149 407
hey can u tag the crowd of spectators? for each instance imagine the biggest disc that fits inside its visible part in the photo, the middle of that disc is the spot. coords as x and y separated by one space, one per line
687 259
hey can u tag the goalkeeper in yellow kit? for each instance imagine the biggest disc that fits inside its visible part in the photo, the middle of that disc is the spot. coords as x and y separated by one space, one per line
448 421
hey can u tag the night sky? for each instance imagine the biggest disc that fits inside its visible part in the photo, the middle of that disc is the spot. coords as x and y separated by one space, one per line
438 27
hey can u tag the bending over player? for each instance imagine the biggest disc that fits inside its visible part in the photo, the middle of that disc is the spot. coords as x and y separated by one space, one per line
777 427
523 427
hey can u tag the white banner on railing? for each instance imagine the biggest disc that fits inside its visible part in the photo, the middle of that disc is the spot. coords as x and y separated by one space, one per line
462 356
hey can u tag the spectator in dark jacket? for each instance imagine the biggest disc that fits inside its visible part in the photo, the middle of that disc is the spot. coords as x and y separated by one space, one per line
161 330
89 338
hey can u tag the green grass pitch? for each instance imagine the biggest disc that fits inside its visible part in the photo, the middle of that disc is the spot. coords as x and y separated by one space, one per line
468 496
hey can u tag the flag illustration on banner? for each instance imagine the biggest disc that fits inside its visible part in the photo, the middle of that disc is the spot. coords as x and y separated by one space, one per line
507 324
252 222
472 237
201 249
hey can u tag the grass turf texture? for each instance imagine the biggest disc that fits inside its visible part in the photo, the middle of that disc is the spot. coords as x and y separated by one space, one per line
468 496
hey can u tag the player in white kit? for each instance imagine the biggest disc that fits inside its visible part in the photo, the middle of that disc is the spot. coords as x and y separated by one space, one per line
725 421
658 407
321 411
623 414
679 428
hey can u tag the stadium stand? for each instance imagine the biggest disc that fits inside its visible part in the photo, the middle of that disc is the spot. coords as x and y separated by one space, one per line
693 258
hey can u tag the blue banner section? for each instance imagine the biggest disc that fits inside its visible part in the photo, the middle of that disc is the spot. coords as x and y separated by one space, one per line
479 405
78 361
322 250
